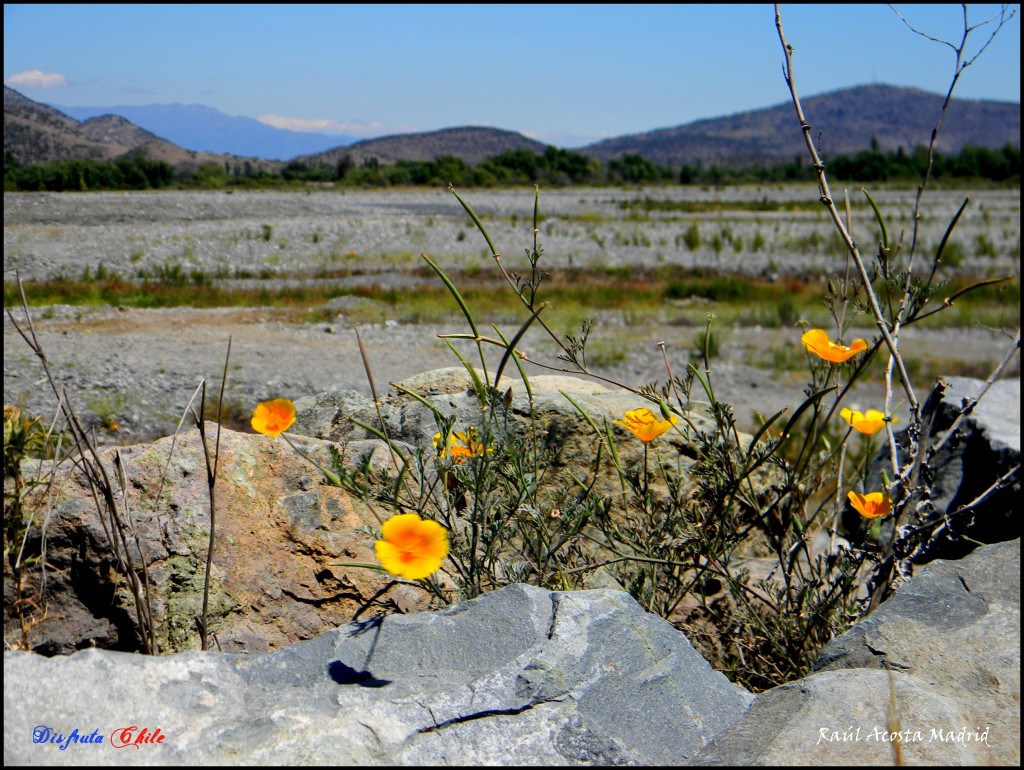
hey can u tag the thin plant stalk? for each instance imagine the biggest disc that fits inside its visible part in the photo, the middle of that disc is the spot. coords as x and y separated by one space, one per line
211 484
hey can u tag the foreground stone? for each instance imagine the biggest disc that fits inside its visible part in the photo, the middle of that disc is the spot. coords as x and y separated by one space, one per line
527 676
950 638
280 535
518 676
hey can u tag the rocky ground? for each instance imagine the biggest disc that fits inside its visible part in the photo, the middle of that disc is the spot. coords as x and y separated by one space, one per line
281 234
131 372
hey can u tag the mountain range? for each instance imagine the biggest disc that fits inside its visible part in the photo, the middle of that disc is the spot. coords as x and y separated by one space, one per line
843 122
205 129
37 133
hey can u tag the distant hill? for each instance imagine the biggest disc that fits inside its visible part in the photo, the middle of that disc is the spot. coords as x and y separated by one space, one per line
474 144
843 122
115 131
205 129
37 133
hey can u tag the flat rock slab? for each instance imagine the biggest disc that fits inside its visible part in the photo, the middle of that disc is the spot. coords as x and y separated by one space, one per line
518 676
528 676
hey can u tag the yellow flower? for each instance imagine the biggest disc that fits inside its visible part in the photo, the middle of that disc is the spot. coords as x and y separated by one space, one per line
872 505
644 425
470 446
411 547
817 341
867 422
273 418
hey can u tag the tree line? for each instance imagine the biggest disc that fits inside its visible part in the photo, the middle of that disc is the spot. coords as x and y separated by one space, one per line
554 167
59 176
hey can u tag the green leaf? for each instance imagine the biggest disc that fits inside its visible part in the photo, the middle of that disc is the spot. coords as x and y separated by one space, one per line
811 400
704 384
878 218
421 399
475 218
950 228
455 293
478 385
519 366
582 411
761 431
510 347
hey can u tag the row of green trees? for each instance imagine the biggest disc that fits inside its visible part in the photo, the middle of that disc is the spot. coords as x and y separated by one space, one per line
875 165
554 167
121 174
558 167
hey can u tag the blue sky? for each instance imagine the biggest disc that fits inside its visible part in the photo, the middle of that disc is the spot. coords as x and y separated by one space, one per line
567 75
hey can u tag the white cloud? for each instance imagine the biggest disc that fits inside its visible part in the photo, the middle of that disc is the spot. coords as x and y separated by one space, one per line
317 125
325 126
37 79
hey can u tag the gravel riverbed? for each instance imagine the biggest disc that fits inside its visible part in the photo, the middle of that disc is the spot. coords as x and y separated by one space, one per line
130 372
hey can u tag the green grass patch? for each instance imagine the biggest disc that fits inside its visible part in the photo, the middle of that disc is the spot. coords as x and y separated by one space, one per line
706 207
640 294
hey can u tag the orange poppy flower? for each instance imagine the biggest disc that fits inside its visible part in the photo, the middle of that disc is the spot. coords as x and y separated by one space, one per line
272 418
644 425
872 505
411 547
459 446
867 422
817 341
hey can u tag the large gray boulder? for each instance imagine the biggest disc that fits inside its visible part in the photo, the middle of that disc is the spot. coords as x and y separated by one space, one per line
944 651
518 676
985 447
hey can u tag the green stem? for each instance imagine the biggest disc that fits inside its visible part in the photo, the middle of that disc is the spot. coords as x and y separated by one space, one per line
331 476
367 565
426 583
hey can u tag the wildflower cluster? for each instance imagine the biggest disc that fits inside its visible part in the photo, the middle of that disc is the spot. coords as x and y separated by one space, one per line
484 516
409 547
874 504
485 506
685 522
